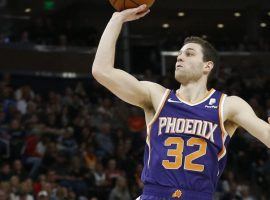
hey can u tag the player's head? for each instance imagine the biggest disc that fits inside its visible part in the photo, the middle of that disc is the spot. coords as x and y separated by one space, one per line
196 60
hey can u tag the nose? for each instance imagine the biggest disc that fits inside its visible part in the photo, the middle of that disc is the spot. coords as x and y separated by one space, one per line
179 58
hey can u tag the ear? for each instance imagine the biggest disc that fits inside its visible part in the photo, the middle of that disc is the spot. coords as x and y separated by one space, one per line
209 65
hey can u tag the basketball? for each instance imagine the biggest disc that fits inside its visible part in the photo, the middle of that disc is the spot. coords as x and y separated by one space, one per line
120 5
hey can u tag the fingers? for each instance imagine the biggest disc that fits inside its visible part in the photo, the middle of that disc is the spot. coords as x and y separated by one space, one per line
137 10
134 13
143 14
269 120
141 8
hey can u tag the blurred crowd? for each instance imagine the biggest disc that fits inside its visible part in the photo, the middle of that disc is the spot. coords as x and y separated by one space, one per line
48 31
78 32
71 139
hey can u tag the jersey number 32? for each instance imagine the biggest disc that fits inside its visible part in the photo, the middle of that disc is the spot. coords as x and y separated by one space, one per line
178 153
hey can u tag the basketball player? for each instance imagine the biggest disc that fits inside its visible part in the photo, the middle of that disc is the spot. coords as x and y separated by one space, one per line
188 129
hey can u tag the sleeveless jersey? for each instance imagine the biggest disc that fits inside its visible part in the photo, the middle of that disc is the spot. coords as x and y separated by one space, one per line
186 143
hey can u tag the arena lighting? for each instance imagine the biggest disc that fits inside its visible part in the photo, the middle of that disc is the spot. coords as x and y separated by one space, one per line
49 5
27 10
165 25
20 17
263 25
237 14
220 25
180 14
69 75
204 36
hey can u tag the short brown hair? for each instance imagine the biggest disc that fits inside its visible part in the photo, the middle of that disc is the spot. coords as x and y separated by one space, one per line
209 52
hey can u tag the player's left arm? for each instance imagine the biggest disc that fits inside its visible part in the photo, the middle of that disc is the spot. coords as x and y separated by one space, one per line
240 112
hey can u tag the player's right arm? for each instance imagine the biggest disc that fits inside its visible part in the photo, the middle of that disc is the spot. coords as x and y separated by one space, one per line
122 84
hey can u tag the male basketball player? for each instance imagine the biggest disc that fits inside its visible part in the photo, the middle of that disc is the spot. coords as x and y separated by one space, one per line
188 129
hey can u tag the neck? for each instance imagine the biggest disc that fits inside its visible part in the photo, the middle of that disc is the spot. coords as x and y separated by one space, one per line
192 92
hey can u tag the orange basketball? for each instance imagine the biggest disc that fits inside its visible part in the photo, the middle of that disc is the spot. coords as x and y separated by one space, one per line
125 4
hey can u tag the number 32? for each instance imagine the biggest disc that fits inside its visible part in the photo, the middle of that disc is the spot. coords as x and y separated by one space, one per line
178 154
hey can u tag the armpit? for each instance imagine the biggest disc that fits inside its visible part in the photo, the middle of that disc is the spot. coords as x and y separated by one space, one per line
230 127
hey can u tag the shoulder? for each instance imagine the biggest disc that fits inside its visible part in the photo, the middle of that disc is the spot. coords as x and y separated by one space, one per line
234 100
156 92
234 105
154 87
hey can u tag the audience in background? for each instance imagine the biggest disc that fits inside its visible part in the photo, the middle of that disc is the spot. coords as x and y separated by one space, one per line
77 141
64 33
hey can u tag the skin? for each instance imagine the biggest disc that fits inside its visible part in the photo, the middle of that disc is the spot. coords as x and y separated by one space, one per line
190 70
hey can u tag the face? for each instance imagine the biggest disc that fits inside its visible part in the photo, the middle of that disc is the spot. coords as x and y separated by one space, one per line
190 66
17 165
3 195
112 164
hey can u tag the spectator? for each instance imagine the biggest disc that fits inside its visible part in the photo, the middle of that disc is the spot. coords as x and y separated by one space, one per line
75 177
112 172
67 144
120 191
3 195
104 141
6 172
14 184
34 151
100 175
18 170
43 195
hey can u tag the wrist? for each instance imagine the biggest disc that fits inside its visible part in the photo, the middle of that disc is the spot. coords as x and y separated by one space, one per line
116 17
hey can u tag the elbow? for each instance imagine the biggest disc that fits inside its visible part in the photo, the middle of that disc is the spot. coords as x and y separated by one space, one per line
95 72
99 72
99 75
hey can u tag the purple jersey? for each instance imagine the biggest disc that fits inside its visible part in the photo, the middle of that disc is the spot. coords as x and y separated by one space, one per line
186 145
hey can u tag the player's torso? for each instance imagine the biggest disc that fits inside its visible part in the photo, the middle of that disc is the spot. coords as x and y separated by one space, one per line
186 144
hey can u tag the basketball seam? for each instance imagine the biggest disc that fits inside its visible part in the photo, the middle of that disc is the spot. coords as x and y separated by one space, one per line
114 2
124 4
135 2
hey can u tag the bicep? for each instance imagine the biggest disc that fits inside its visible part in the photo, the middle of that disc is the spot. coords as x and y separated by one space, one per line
241 113
126 87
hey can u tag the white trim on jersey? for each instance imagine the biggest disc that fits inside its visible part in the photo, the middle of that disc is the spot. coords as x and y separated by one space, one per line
148 126
208 95
160 106
224 132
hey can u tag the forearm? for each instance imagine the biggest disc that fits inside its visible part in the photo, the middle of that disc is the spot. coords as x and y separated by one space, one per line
105 55
267 143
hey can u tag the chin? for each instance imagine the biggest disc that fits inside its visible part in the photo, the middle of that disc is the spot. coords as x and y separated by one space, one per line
179 78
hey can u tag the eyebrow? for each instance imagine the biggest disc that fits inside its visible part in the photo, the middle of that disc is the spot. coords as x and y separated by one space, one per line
187 49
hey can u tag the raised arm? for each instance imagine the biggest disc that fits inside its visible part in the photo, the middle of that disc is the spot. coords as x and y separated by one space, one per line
239 111
122 84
